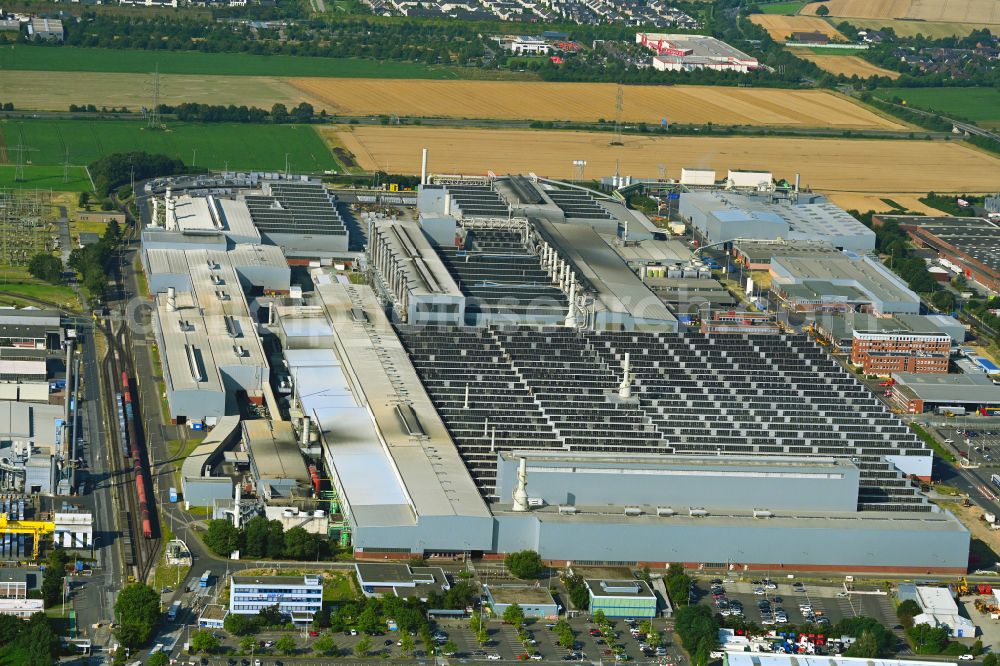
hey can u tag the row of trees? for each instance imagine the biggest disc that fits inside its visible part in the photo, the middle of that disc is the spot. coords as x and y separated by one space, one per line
218 113
117 169
263 538
94 261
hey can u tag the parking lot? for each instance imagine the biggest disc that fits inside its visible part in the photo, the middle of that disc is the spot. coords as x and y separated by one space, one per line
977 445
797 603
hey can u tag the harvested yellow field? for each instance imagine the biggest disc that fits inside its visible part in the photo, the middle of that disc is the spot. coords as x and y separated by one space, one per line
933 30
588 102
866 202
781 27
133 90
831 165
847 65
983 12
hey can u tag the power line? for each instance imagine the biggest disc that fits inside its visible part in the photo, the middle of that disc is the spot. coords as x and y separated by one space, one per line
153 119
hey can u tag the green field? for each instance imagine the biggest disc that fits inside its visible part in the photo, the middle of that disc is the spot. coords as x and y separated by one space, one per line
77 59
211 145
980 105
783 7
45 177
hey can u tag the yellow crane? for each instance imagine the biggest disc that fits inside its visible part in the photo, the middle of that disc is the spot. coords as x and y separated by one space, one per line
36 528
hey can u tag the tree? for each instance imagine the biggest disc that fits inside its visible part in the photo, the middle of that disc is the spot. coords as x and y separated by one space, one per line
927 639
362 647
52 579
46 267
204 641
866 646
275 539
302 545
449 648
84 199
990 660
325 645
822 10
407 645
482 636
158 659
270 616
247 643
514 615
942 299
279 113
599 617
678 585
137 610
255 537
285 645
524 564
906 611
241 625
222 537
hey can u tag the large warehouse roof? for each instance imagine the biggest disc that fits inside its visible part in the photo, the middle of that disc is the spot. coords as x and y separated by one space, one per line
974 389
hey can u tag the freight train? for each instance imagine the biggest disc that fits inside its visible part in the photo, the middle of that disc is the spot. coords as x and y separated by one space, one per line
140 461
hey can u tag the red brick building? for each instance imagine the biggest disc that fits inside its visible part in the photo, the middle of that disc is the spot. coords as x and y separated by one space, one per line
884 353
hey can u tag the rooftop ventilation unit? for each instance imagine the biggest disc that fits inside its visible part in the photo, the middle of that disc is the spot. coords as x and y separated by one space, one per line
193 364
664 511
697 512
240 351
633 511
222 295
567 509
762 513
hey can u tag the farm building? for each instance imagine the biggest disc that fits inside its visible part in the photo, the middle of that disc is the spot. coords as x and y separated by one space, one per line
45 29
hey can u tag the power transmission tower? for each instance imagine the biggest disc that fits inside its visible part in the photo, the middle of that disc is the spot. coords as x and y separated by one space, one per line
66 166
616 140
662 168
20 149
153 119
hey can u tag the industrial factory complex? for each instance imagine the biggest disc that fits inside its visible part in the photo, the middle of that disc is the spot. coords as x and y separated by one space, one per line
520 363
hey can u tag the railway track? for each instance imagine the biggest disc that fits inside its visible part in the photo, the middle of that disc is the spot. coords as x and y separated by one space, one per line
140 553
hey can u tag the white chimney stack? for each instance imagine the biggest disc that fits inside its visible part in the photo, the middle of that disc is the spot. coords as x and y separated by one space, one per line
625 388
305 431
171 299
521 491
571 314
423 167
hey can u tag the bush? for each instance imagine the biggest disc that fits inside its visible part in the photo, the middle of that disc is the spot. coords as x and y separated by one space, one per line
46 267
524 564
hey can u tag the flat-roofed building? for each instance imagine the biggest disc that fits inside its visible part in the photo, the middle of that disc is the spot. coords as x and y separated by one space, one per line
728 215
921 393
275 459
622 598
968 246
299 217
401 580
213 616
841 284
678 53
298 597
534 601
886 352
410 275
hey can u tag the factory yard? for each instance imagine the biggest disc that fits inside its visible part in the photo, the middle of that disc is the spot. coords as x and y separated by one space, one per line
589 102
848 65
781 27
829 165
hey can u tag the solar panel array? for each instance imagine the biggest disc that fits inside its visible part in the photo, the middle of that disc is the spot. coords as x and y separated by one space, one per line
556 389
578 204
296 208
497 274
477 201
